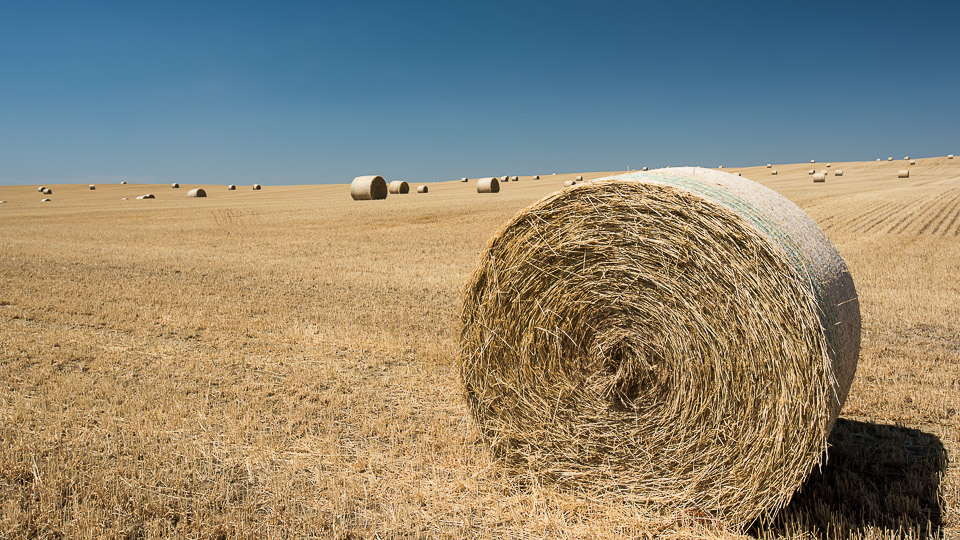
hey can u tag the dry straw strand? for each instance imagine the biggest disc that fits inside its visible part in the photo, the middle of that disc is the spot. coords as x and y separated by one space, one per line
368 188
658 338
488 185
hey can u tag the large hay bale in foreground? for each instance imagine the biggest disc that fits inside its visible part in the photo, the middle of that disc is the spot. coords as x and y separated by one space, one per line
368 188
197 192
399 187
488 185
682 337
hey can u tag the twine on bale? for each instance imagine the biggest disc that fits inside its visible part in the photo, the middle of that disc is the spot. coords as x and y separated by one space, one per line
681 338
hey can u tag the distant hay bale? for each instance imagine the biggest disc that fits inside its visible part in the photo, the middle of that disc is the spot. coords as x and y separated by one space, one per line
906 157
514 178
773 172
368 188
197 192
537 177
820 177
949 156
588 359
399 187
47 191
838 172
423 189
913 162
769 165
44 200
123 198
504 178
878 159
92 187
464 179
829 165
569 183
123 182
488 185
231 187
813 161
889 158
175 185
41 189
720 167
647 168
3 202
147 196
811 171
903 173
257 187
579 179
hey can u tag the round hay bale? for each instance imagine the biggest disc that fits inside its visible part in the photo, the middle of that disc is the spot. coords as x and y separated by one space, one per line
47 191
591 358
399 186
257 187
579 179
197 192
514 178
903 173
44 200
175 185
488 185
504 178
231 187
569 183
773 172
123 198
906 157
829 165
769 165
820 177
92 187
813 161
720 167
464 179
147 196
838 172
889 158
537 177
3 202
423 189
368 188
811 171
123 182
139 197
41 189
646 169
913 162
949 156
878 159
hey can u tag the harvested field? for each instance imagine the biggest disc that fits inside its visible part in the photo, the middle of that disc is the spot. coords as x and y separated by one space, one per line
174 369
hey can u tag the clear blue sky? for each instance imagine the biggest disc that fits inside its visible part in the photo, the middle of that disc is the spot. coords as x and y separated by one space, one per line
315 92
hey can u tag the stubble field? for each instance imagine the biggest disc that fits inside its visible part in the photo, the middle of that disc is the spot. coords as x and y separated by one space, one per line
282 363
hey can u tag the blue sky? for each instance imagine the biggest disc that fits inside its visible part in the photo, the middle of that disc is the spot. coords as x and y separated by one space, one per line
317 92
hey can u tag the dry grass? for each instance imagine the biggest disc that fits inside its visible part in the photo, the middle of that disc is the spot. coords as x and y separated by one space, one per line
261 365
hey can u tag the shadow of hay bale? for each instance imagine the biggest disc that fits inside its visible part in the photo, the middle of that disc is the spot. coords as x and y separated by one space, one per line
878 477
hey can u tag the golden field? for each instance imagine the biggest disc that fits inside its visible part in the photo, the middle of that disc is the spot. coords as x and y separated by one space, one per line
282 363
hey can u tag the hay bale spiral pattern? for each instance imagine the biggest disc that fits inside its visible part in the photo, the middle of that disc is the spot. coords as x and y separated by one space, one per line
683 338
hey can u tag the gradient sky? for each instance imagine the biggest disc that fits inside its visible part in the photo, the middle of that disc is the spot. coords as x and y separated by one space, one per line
317 92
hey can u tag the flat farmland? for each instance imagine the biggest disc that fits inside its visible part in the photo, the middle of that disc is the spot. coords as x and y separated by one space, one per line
282 363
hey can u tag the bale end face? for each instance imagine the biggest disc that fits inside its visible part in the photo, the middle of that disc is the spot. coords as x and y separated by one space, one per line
368 188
